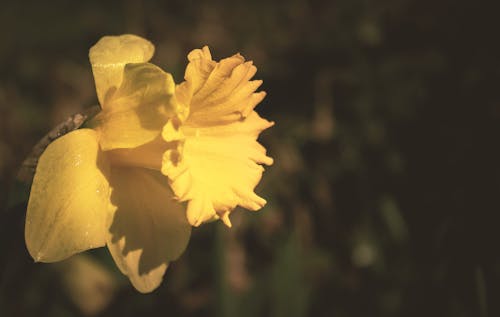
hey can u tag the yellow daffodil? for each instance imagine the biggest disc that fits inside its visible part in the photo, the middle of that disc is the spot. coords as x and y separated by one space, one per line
103 184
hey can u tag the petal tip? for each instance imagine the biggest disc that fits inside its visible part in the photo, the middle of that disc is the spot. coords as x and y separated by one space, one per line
225 219
268 161
37 258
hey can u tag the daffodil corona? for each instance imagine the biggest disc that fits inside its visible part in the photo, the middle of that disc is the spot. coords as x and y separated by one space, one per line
122 181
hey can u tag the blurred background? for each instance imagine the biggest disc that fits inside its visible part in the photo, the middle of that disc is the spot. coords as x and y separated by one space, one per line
384 193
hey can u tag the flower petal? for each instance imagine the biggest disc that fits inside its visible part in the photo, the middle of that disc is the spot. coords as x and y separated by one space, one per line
148 229
218 168
138 110
110 55
148 155
218 93
69 198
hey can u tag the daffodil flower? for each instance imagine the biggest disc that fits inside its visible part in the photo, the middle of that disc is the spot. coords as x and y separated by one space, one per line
122 180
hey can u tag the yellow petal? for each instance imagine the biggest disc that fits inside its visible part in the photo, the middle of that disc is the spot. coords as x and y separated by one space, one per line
148 155
200 67
138 110
218 168
148 229
69 198
218 92
110 55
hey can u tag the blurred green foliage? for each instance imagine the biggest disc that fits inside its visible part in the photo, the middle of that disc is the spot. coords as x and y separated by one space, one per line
383 197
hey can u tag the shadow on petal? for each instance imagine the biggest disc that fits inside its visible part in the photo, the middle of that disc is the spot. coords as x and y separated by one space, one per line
141 106
148 228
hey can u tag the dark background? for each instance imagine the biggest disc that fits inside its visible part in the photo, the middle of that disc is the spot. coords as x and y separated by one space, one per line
384 193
